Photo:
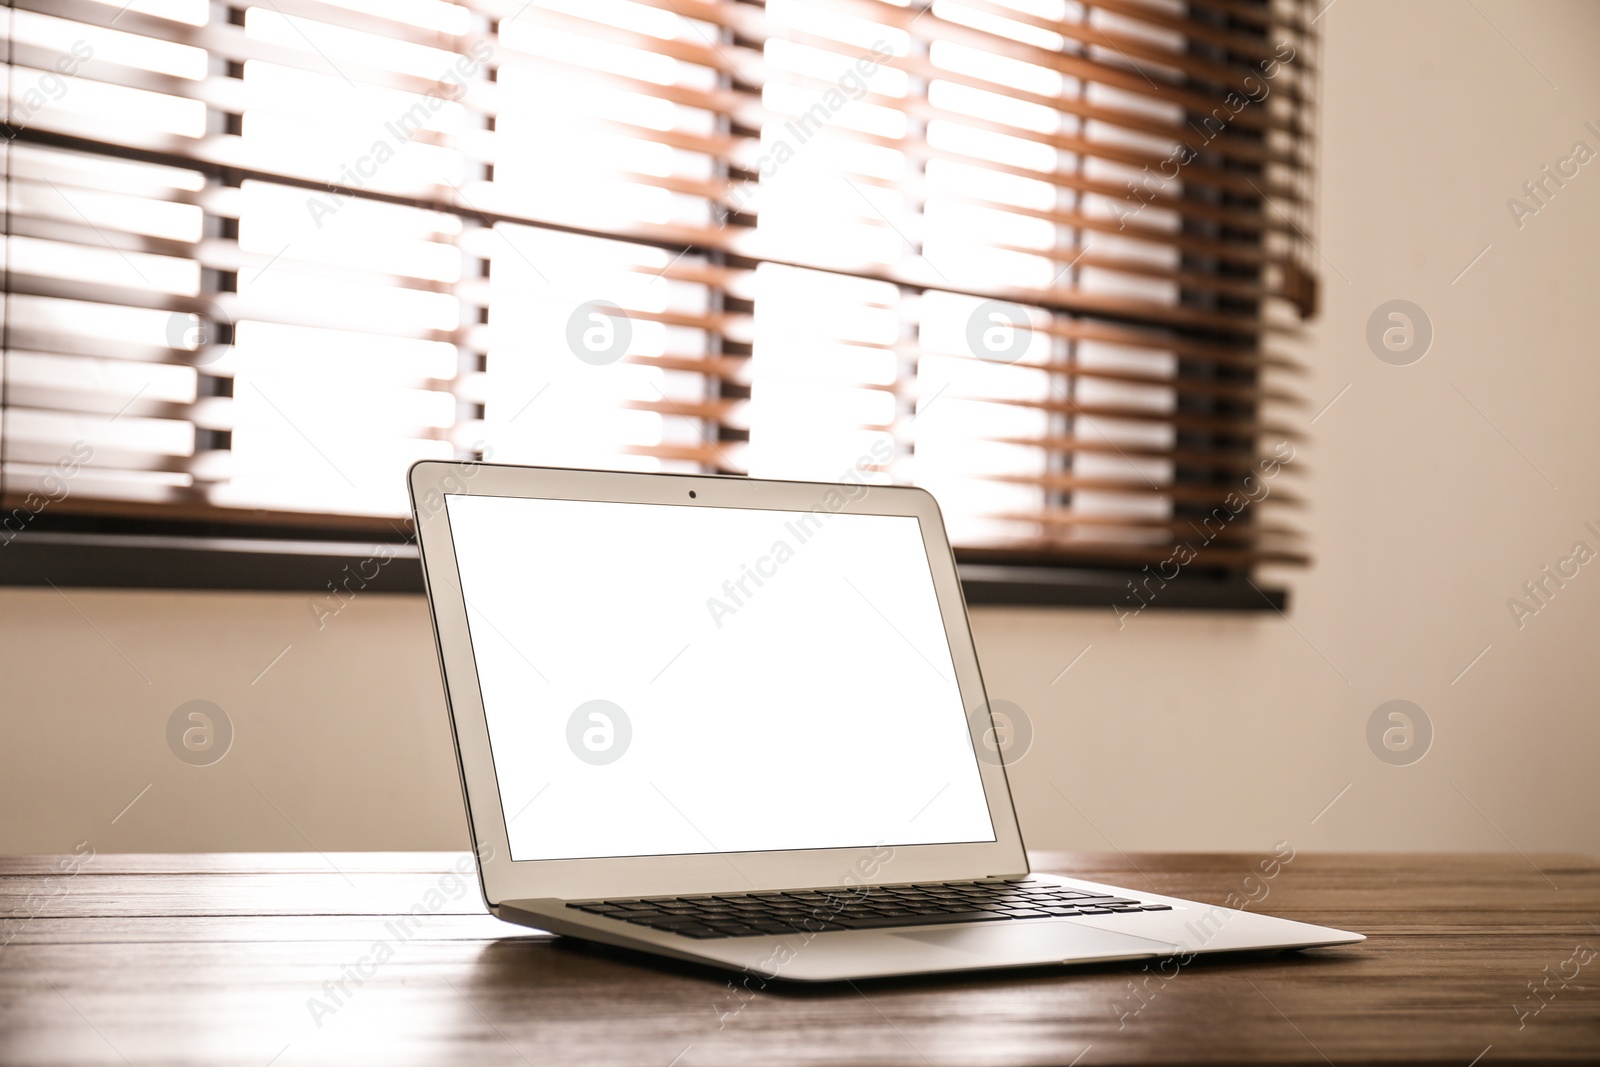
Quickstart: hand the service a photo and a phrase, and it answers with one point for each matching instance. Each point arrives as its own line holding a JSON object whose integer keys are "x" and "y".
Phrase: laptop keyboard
{"x": 821, "y": 911}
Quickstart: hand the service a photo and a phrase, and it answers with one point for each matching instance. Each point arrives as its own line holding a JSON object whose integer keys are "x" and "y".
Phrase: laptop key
{"x": 872, "y": 922}
{"x": 697, "y": 932}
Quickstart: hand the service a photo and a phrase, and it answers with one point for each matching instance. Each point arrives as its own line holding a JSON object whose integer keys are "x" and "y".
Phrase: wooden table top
{"x": 173, "y": 959}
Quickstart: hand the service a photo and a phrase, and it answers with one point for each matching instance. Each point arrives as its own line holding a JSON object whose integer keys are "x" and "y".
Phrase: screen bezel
{"x": 507, "y": 879}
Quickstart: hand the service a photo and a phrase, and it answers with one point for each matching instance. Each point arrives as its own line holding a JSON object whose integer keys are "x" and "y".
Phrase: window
{"x": 1039, "y": 256}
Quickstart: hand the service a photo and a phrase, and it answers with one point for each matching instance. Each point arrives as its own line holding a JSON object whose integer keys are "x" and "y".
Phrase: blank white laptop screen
{"x": 664, "y": 679}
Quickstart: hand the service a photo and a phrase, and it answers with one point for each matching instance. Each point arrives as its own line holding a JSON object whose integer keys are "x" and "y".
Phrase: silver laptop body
{"x": 741, "y": 722}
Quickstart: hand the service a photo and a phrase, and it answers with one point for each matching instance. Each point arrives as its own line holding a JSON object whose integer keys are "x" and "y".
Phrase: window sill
{"x": 1079, "y": 587}
{"x": 139, "y": 561}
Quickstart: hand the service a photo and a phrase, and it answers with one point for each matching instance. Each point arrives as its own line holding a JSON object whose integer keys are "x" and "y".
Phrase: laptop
{"x": 741, "y": 722}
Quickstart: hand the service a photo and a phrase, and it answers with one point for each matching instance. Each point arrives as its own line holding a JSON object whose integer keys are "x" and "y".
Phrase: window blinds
{"x": 1042, "y": 257}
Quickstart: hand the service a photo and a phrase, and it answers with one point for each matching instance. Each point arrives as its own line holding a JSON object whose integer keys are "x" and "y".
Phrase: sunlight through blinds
{"x": 1046, "y": 258}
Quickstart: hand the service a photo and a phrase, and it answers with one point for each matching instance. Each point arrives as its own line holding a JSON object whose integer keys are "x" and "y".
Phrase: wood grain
{"x": 213, "y": 959}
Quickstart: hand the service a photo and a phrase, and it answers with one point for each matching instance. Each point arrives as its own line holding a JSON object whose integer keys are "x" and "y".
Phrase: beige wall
{"x": 1430, "y": 508}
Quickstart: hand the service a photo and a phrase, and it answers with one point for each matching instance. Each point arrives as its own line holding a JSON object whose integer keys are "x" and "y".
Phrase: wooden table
{"x": 238, "y": 959}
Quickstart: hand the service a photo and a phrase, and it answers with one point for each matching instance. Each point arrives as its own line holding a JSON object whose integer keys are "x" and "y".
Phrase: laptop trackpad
{"x": 1041, "y": 942}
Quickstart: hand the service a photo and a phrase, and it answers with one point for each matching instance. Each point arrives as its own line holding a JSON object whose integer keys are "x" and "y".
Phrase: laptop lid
{"x": 664, "y": 683}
